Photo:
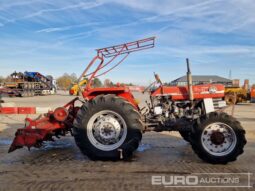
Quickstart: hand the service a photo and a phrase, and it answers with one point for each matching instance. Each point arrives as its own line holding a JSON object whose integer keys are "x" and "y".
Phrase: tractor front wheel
{"x": 108, "y": 128}
{"x": 218, "y": 138}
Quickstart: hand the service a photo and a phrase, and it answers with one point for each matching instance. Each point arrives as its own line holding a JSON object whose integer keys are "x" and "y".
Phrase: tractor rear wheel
{"x": 185, "y": 135}
{"x": 108, "y": 128}
{"x": 218, "y": 138}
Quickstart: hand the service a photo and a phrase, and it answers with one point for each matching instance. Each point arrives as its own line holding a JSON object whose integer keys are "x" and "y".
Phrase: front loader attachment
{"x": 54, "y": 123}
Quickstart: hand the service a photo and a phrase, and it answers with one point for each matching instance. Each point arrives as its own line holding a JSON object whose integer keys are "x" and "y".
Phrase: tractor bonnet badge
{"x": 212, "y": 89}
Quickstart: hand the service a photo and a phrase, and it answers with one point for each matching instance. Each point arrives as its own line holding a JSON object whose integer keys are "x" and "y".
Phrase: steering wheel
{"x": 158, "y": 80}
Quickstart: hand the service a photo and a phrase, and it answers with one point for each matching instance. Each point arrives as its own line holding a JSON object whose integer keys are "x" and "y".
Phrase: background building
{"x": 201, "y": 79}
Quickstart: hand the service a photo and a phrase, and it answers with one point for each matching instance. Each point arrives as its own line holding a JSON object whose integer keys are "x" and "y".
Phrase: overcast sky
{"x": 54, "y": 37}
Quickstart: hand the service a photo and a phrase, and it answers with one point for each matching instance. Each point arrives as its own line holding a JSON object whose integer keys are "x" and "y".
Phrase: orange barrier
{"x": 26, "y": 110}
{"x": 8, "y": 110}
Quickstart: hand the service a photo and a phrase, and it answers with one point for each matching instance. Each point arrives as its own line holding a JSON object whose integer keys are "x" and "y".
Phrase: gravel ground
{"x": 60, "y": 165}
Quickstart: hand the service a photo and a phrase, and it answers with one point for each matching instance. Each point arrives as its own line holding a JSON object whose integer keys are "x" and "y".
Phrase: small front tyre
{"x": 218, "y": 138}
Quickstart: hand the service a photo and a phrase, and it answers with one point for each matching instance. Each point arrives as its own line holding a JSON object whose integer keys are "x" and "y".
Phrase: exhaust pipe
{"x": 189, "y": 81}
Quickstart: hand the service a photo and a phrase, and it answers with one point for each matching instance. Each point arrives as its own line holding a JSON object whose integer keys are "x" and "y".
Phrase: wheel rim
{"x": 218, "y": 139}
{"x": 106, "y": 130}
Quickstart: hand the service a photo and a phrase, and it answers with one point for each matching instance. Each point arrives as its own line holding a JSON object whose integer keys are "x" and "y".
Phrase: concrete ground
{"x": 61, "y": 166}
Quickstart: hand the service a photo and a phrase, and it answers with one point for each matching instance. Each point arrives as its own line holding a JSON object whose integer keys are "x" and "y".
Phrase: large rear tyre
{"x": 108, "y": 128}
{"x": 218, "y": 138}
{"x": 185, "y": 135}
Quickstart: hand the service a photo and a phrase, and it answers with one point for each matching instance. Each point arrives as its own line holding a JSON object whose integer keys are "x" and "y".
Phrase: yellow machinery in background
{"x": 236, "y": 94}
{"x": 253, "y": 93}
{"x": 75, "y": 89}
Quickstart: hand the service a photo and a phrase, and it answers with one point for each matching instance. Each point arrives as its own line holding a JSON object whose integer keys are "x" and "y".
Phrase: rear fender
{"x": 123, "y": 92}
{"x": 129, "y": 97}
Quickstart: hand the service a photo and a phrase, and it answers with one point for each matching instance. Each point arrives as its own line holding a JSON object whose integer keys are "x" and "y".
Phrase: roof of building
{"x": 203, "y": 78}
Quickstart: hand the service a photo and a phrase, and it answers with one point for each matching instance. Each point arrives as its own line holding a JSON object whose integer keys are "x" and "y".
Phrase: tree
{"x": 74, "y": 77}
{"x": 84, "y": 78}
{"x": 108, "y": 83}
{"x": 97, "y": 82}
{"x": 2, "y": 79}
{"x": 50, "y": 77}
{"x": 126, "y": 84}
{"x": 65, "y": 81}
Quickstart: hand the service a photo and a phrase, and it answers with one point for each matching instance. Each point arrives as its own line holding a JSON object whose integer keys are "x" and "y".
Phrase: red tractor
{"x": 109, "y": 124}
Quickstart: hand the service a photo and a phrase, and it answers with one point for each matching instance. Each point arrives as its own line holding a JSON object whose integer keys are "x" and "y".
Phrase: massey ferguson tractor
{"x": 109, "y": 125}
